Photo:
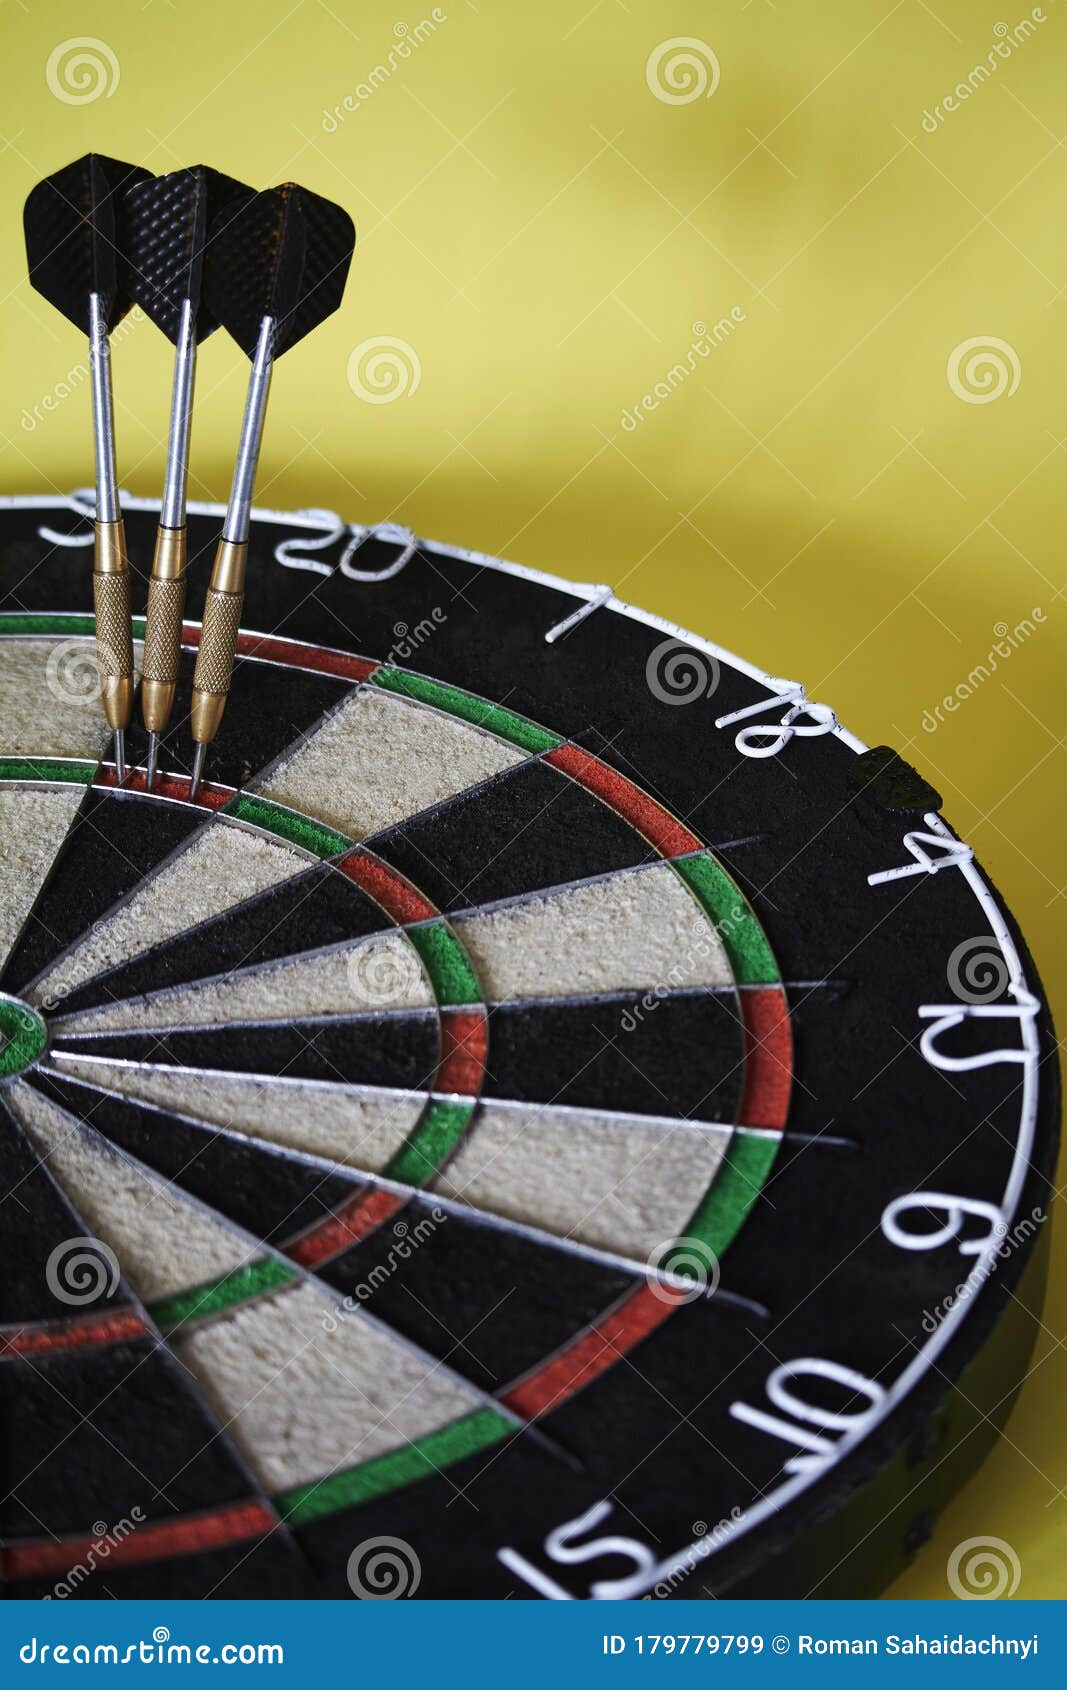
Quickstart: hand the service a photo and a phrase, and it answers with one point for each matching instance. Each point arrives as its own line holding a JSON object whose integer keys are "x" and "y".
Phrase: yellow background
{"x": 543, "y": 232}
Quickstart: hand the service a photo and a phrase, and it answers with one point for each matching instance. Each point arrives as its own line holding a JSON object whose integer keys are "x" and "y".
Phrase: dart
{"x": 168, "y": 218}
{"x": 276, "y": 267}
{"x": 74, "y": 225}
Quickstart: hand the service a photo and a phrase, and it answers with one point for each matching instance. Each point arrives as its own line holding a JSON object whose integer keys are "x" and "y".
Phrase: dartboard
{"x": 555, "y": 1117}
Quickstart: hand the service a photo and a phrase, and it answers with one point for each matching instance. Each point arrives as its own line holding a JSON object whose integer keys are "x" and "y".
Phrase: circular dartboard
{"x": 555, "y": 1117}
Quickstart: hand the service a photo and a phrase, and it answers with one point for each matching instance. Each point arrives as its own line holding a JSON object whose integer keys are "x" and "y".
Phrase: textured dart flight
{"x": 168, "y": 219}
{"x": 276, "y": 267}
{"x": 76, "y": 244}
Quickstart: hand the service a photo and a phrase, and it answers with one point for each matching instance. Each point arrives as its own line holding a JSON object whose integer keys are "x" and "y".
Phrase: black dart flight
{"x": 275, "y": 268}
{"x": 169, "y": 218}
{"x": 75, "y": 243}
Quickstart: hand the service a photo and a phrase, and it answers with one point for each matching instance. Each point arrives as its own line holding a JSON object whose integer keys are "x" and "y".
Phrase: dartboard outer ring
{"x": 818, "y": 1470}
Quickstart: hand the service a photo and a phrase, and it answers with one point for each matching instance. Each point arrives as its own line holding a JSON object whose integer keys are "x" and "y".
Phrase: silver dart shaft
{"x": 107, "y": 497}
{"x": 111, "y": 570}
{"x": 239, "y": 510}
{"x": 166, "y": 586}
{"x": 172, "y": 510}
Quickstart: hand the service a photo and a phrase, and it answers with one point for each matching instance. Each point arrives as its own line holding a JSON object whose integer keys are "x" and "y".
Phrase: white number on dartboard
{"x": 767, "y": 739}
{"x": 945, "y": 1017}
{"x": 562, "y": 1548}
{"x": 955, "y": 1211}
{"x": 929, "y": 852}
{"x": 807, "y": 1426}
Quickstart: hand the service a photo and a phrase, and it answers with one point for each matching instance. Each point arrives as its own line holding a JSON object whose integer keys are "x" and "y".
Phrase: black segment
{"x": 621, "y": 1053}
{"x": 113, "y": 843}
{"x": 272, "y": 717}
{"x": 529, "y": 828}
{"x": 384, "y": 1050}
{"x": 35, "y": 1221}
{"x": 270, "y": 1194}
{"x": 313, "y": 909}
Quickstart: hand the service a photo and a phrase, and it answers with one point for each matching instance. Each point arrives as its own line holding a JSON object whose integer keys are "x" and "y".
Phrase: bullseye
{"x": 22, "y": 1036}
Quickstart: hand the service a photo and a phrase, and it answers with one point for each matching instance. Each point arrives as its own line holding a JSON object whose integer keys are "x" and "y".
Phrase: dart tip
{"x": 198, "y": 768}
{"x": 153, "y": 757}
{"x": 120, "y": 755}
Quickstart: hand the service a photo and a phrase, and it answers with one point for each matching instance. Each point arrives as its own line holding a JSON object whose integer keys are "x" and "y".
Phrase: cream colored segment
{"x": 222, "y": 866}
{"x": 163, "y": 1241}
{"x": 358, "y": 1129}
{"x": 50, "y": 699}
{"x": 607, "y": 1181}
{"x": 307, "y": 1390}
{"x": 380, "y": 758}
{"x": 383, "y": 972}
{"x": 33, "y": 825}
{"x": 639, "y": 930}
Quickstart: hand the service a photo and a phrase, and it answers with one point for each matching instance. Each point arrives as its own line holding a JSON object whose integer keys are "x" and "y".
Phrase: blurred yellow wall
{"x": 556, "y": 204}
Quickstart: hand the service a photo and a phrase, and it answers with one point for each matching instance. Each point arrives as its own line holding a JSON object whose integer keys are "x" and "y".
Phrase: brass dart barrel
{"x": 218, "y": 645}
{"x": 163, "y": 637}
